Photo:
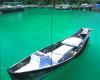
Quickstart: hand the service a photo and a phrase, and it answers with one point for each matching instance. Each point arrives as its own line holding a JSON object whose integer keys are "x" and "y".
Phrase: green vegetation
{"x": 48, "y": 2}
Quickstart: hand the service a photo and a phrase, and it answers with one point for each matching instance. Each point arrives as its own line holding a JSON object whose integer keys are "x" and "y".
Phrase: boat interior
{"x": 55, "y": 53}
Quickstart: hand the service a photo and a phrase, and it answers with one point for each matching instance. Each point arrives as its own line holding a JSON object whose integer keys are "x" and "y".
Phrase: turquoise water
{"x": 22, "y": 33}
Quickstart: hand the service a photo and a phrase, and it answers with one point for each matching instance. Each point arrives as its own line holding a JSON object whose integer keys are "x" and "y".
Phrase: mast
{"x": 51, "y": 33}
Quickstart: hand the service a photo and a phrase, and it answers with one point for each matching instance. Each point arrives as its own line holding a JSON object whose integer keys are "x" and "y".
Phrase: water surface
{"x": 22, "y": 33}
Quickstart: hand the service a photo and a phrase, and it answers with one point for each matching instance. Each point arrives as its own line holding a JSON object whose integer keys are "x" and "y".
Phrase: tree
{"x": 54, "y": 2}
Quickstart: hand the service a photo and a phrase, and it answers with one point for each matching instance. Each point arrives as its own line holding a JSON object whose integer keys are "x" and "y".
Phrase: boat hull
{"x": 41, "y": 73}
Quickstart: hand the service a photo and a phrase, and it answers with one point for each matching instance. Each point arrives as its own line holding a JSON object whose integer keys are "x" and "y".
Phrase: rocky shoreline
{"x": 9, "y": 8}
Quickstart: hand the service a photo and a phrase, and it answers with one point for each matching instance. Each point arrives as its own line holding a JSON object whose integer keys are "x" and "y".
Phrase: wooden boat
{"x": 42, "y": 62}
